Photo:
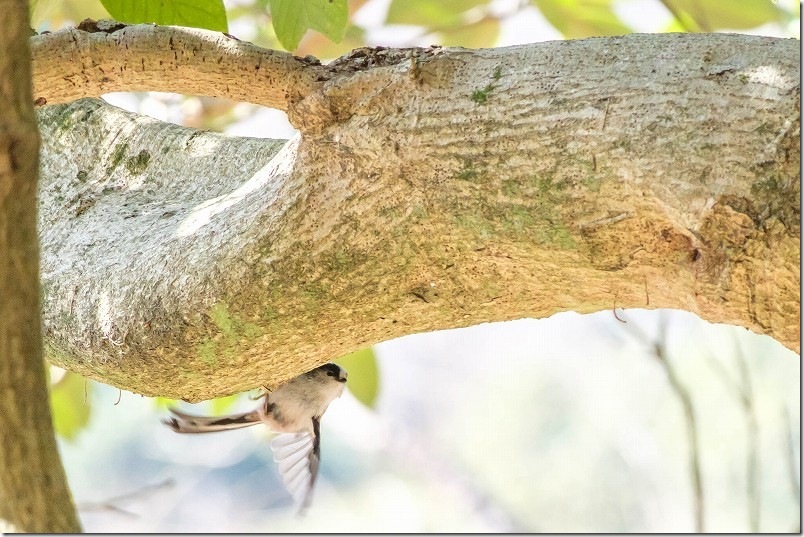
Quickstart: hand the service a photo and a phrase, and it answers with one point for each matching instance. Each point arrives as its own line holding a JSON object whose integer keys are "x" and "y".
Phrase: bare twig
{"x": 418, "y": 451}
{"x": 743, "y": 390}
{"x": 753, "y": 465}
{"x": 793, "y": 472}
{"x": 111, "y": 503}
{"x": 659, "y": 350}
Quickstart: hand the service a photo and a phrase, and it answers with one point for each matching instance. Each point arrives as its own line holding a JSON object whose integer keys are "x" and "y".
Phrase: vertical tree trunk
{"x": 34, "y": 496}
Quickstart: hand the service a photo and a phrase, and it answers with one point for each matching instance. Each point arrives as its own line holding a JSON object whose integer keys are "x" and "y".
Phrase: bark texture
{"x": 34, "y": 496}
{"x": 428, "y": 189}
{"x": 105, "y": 56}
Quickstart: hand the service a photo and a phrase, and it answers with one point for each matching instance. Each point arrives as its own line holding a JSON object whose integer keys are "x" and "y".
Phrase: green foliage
{"x": 364, "y": 376}
{"x": 292, "y": 18}
{"x": 164, "y": 403}
{"x": 222, "y": 405}
{"x": 208, "y": 14}
{"x": 585, "y": 18}
{"x": 69, "y": 405}
{"x": 430, "y": 13}
{"x": 466, "y": 23}
{"x": 483, "y": 33}
{"x": 458, "y": 23}
{"x": 697, "y": 16}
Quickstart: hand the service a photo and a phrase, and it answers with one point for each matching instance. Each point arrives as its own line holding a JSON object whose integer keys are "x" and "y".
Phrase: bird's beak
{"x": 342, "y": 377}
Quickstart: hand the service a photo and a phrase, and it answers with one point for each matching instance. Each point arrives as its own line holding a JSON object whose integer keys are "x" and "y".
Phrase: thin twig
{"x": 753, "y": 464}
{"x": 743, "y": 390}
{"x": 659, "y": 350}
{"x": 793, "y": 472}
{"x": 110, "y": 504}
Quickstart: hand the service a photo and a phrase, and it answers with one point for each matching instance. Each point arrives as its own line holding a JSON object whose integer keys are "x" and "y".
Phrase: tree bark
{"x": 100, "y": 57}
{"x": 428, "y": 189}
{"x": 34, "y": 496}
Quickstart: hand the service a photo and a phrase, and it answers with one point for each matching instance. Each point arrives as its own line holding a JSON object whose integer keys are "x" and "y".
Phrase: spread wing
{"x": 188, "y": 423}
{"x": 298, "y": 455}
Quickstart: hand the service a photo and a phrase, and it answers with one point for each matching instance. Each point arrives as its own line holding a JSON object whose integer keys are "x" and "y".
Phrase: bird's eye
{"x": 330, "y": 374}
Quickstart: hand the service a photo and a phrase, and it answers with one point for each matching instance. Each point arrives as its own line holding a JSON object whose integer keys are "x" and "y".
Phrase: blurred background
{"x": 626, "y": 421}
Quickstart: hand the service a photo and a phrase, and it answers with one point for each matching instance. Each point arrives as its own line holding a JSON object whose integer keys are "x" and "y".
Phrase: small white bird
{"x": 294, "y": 410}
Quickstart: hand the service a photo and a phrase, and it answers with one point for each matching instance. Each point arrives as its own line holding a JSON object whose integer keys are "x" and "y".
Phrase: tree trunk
{"x": 34, "y": 496}
{"x": 428, "y": 189}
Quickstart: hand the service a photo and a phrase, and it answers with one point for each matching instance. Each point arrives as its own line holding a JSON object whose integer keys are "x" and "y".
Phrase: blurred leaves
{"x": 480, "y": 34}
{"x": 708, "y": 16}
{"x": 52, "y": 14}
{"x": 364, "y": 376}
{"x": 165, "y": 402}
{"x": 467, "y": 23}
{"x": 459, "y": 23}
{"x": 324, "y": 49}
{"x": 69, "y": 406}
{"x": 292, "y": 18}
{"x": 429, "y": 13}
{"x": 222, "y": 405}
{"x": 586, "y": 18}
{"x": 208, "y": 14}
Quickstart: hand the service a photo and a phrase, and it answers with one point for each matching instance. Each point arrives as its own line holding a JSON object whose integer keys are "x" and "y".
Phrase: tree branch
{"x": 34, "y": 496}
{"x": 455, "y": 188}
{"x": 107, "y": 56}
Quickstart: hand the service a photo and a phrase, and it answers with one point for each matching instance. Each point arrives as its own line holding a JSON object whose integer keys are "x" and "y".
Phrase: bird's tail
{"x": 187, "y": 423}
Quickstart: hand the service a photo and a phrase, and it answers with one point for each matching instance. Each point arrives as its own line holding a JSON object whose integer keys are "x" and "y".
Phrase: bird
{"x": 294, "y": 411}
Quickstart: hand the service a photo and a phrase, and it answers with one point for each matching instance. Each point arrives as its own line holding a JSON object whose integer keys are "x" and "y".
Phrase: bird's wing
{"x": 187, "y": 423}
{"x": 298, "y": 455}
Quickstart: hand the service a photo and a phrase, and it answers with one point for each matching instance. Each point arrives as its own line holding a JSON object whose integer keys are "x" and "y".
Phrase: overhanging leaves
{"x": 292, "y": 18}
{"x": 208, "y": 14}
{"x": 710, "y": 16}
{"x": 364, "y": 376}
{"x": 443, "y": 14}
{"x": 70, "y": 410}
{"x": 582, "y": 19}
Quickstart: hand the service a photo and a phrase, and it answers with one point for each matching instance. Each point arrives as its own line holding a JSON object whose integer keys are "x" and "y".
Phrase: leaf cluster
{"x": 466, "y": 23}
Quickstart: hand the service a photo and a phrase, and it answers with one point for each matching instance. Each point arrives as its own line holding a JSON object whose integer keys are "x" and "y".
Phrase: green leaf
{"x": 324, "y": 49}
{"x": 582, "y": 18}
{"x": 67, "y": 405}
{"x": 431, "y": 14}
{"x": 165, "y": 402}
{"x": 292, "y": 18}
{"x": 480, "y": 34}
{"x": 222, "y": 404}
{"x": 364, "y": 376}
{"x": 714, "y": 15}
{"x": 208, "y": 14}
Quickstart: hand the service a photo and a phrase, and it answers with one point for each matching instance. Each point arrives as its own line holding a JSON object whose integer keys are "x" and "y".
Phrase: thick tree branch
{"x": 103, "y": 57}
{"x": 34, "y": 496}
{"x": 454, "y": 188}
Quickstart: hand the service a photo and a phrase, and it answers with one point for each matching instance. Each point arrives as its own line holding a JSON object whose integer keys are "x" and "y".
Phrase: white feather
{"x": 294, "y": 453}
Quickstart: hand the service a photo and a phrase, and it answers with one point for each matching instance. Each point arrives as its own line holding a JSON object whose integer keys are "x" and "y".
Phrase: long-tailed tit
{"x": 294, "y": 410}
